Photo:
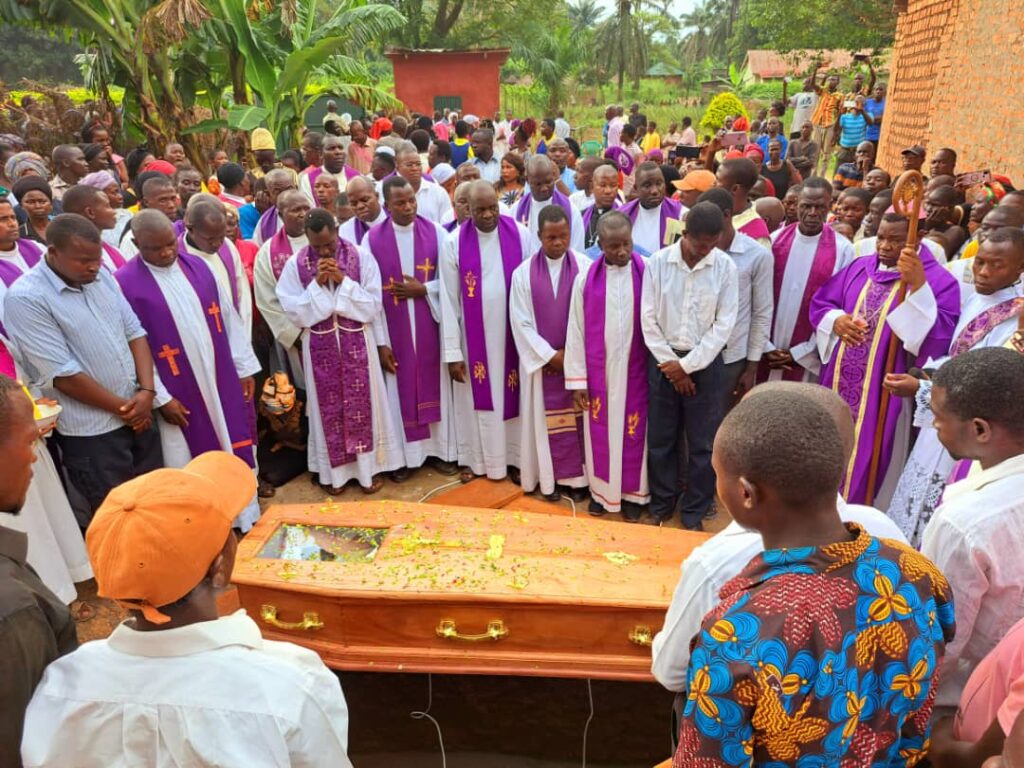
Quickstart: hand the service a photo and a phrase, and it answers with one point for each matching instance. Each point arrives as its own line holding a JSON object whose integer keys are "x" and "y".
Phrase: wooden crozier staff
{"x": 907, "y": 199}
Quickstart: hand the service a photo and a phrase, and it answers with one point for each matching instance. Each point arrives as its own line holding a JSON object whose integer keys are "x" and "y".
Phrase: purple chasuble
{"x": 864, "y": 290}
{"x": 341, "y": 367}
{"x": 670, "y": 209}
{"x": 143, "y": 293}
{"x": 470, "y": 277}
{"x": 978, "y": 328}
{"x": 634, "y": 437}
{"x": 557, "y": 198}
{"x": 564, "y": 422}
{"x": 821, "y": 271}
{"x": 269, "y": 223}
{"x": 417, "y": 350}
{"x": 224, "y": 253}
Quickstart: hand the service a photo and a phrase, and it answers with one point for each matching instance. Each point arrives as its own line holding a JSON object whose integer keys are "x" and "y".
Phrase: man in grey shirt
{"x": 79, "y": 338}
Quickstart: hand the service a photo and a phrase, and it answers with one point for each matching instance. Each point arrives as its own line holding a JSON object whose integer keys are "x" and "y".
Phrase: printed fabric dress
{"x": 817, "y": 657}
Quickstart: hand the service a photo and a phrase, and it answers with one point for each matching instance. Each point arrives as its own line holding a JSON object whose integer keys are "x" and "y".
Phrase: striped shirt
{"x": 827, "y": 109}
{"x": 854, "y": 128}
{"x": 62, "y": 331}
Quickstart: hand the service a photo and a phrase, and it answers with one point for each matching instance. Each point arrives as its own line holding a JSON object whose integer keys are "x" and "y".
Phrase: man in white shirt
{"x": 754, "y": 269}
{"x": 974, "y": 537}
{"x": 176, "y": 685}
{"x": 711, "y": 565}
{"x": 562, "y": 128}
{"x": 482, "y": 143}
{"x": 432, "y": 200}
{"x": 688, "y": 310}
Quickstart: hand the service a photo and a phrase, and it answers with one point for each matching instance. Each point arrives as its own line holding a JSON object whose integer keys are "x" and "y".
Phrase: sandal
{"x": 333, "y": 490}
{"x": 467, "y": 475}
{"x": 375, "y": 486}
{"x": 83, "y": 612}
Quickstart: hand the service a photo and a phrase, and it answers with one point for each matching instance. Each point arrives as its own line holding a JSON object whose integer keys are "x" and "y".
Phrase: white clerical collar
{"x": 161, "y": 270}
{"x": 14, "y": 253}
{"x": 403, "y": 227}
{"x": 978, "y": 480}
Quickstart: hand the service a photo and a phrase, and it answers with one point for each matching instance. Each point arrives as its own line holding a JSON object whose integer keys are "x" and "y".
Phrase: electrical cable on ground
{"x": 425, "y": 714}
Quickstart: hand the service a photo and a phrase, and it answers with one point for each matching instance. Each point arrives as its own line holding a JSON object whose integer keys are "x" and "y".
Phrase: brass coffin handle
{"x": 496, "y": 630}
{"x": 641, "y": 635}
{"x": 310, "y": 619}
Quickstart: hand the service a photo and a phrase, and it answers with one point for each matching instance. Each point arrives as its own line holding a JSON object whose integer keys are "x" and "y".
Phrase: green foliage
{"x": 78, "y": 96}
{"x": 723, "y": 105}
{"x": 621, "y": 42}
{"x": 549, "y": 58}
{"x": 785, "y": 25}
{"x": 470, "y": 23}
{"x": 35, "y": 55}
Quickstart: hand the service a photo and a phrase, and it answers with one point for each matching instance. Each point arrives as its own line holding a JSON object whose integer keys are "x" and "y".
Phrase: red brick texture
{"x": 957, "y": 82}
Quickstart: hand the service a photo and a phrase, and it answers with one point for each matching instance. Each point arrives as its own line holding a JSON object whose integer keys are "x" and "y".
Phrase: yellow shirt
{"x": 651, "y": 141}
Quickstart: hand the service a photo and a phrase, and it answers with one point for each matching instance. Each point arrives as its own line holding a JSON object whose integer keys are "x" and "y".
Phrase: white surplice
{"x": 791, "y": 296}
{"x": 306, "y": 185}
{"x": 361, "y": 302}
{"x": 441, "y": 443}
{"x": 929, "y": 465}
{"x": 213, "y": 261}
{"x": 618, "y": 340}
{"x": 197, "y": 347}
{"x": 576, "y": 230}
{"x": 56, "y": 549}
{"x": 535, "y": 463}
{"x": 487, "y": 444}
{"x": 284, "y": 330}
{"x": 647, "y": 230}
{"x": 347, "y": 231}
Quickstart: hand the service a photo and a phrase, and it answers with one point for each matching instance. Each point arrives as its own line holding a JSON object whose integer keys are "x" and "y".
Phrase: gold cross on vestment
{"x": 391, "y": 289}
{"x": 426, "y": 268}
{"x": 168, "y": 353}
{"x": 214, "y": 312}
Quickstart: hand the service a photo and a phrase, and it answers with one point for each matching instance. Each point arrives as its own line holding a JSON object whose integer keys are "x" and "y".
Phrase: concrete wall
{"x": 957, "y": 82}
{"x": 473, "y": 75}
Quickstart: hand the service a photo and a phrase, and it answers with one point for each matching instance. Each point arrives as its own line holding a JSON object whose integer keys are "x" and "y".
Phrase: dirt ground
{"x": 492, "y": 722}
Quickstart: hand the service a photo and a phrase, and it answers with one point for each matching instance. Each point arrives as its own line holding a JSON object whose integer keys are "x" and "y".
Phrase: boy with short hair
{"x": 826, "y": 647}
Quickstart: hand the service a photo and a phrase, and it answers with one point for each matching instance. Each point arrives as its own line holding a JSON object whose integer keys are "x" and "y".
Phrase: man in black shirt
{"x": 35, "y": 626}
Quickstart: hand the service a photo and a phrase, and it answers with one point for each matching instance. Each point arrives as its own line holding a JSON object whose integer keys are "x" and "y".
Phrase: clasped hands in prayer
{"x": 328, "y": 271}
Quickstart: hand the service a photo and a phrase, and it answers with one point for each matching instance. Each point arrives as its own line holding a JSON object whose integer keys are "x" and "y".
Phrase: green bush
{"x": 723, "y": 105}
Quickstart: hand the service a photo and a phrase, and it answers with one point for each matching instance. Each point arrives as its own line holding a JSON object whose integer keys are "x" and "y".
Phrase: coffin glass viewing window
{"x": 322, "y": 543}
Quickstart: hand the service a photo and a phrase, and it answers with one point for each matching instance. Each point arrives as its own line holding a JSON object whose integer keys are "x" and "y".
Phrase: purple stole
{"x": 360, "y": 228}
{"x": 978, "y": 328}
{"x": 341, "y": 367}
{"x": 856, "y": 373}
{"x": 821, "y": 271}
{"x": 419, "y": 363}
{"x": 452, "y": 225}
{"x": 313, "y": 176}
{"x": 143, "y": 292}
{"x": 557, "y": 198}
{"x": 7, "y": 367}
{"x": 470, "y": 275}
{"x": 589, "y": 214}
{"x": 115, "y": 255}
{"x": 670, "y": 209}
{"x": 634, "y": 437}
{"x": 179, "y": 227}
{"x": 224, "y": 252}
{"x": 9, "y": 271}
{"x": 269, "y": 223}
{"x": 280, "y": 252}
{"x": 564, "y": 422}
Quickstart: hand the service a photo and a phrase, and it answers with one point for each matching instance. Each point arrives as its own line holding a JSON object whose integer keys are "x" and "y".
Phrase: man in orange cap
{"x": 693, "y": 184}
{"x": 175, "y": 684}
{"x": 35, "y": 626}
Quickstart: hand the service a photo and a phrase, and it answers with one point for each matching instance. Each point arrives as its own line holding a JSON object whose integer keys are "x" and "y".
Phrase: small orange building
{"x": 466, "y": 81}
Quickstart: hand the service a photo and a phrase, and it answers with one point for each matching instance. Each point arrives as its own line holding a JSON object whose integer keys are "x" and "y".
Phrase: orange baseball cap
{"x": 153, "y": 538}
{"x": 698, "y": 180}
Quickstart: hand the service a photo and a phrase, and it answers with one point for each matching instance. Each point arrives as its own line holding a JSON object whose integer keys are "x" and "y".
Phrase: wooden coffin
{"x": 427, "y": 588}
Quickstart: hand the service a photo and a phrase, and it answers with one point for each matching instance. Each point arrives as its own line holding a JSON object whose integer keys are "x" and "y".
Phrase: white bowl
{"x": 47, "y": 415}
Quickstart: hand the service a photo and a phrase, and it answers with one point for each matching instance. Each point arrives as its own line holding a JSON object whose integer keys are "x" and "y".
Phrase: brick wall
{"x": 957, "y": 82}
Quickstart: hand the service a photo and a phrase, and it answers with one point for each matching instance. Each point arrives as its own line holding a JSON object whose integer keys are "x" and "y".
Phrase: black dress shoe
{"x": 400, "y": 475}
{"x": 595, "y": 509}
{"x": 579, "y": 495}
{"x": 694, "y": 527}
{"x": 553, "y": 497}
{"x": 632, "y": 513}
{"x": 446, "y": 467}
{"x": 513, "y": 475}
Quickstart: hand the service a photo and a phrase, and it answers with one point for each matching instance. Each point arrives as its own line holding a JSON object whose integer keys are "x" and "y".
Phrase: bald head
{"x": 150, "y": 222}
{"x": 290, "y": 198}
{"x": 154, "y": 238}
{"x": 833, "y": 404}
{"x": 362, "y": 196}
{"x": 204, "y": 211}
{"x": 538, "y": 163}
{"x": 203, "y": 197}
{"x": 772, "y": 211}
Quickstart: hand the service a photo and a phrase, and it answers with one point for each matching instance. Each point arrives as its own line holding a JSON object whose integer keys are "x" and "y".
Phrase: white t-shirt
{"x": 803, "y": 104}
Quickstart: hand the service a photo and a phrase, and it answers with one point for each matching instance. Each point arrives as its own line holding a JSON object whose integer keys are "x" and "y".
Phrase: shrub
{"x": 723, "y": 105}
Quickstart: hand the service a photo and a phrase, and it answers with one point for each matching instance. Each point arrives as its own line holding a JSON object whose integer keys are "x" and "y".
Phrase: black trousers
{"x": 698, "y": 416}
{"x": 97, "y": 464}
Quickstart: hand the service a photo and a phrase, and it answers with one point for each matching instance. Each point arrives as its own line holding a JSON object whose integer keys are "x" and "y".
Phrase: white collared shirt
{"x": 690, "y": 310}
{"x": 974, "y": 538}
{"x": 755, "y": 272}
{"x": 709, "y": 567}
{"x": 213, "y": 693}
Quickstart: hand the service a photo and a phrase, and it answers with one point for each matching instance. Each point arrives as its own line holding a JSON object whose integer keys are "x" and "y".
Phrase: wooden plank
{"x": 531, "y": 504}
{"x": 480, "y": 493}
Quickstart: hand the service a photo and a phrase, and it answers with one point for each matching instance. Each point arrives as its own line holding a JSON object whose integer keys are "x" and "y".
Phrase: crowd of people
{"x": 652, "y": 325}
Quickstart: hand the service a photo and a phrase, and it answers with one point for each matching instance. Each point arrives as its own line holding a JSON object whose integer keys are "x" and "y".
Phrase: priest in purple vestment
{"x": 541, "y": 175}
{"x": 858, "y": 314}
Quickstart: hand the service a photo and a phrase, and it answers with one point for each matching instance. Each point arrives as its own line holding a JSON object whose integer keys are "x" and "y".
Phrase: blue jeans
{"x": 698, "y": 417}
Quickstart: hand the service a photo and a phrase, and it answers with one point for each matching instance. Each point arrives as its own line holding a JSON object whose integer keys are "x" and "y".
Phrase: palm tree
{"x": 711, "y": 25}
{"x": 551, "y": 57}
{"x": 584, "y": 15}
{"x": 622, "y": 44}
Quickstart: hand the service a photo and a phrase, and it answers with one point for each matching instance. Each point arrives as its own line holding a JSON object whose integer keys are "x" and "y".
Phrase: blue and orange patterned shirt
{"x": 819, "y": 656}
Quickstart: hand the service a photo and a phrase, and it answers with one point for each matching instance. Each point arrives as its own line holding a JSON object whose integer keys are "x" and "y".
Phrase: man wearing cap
{"x": 331, "y": 289}
{"x": 205, "y": 356}
{"x": 362, "y": 196}
{"x": 913, "y": 158}
{"x": 334, "y": 165}
{"x": 693, "y": 185}
{"x": 35, "y": 625}
{"x": 175, "y": 684}
{"x": 542, "y": 177}
{"x": 264, "y": 152}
